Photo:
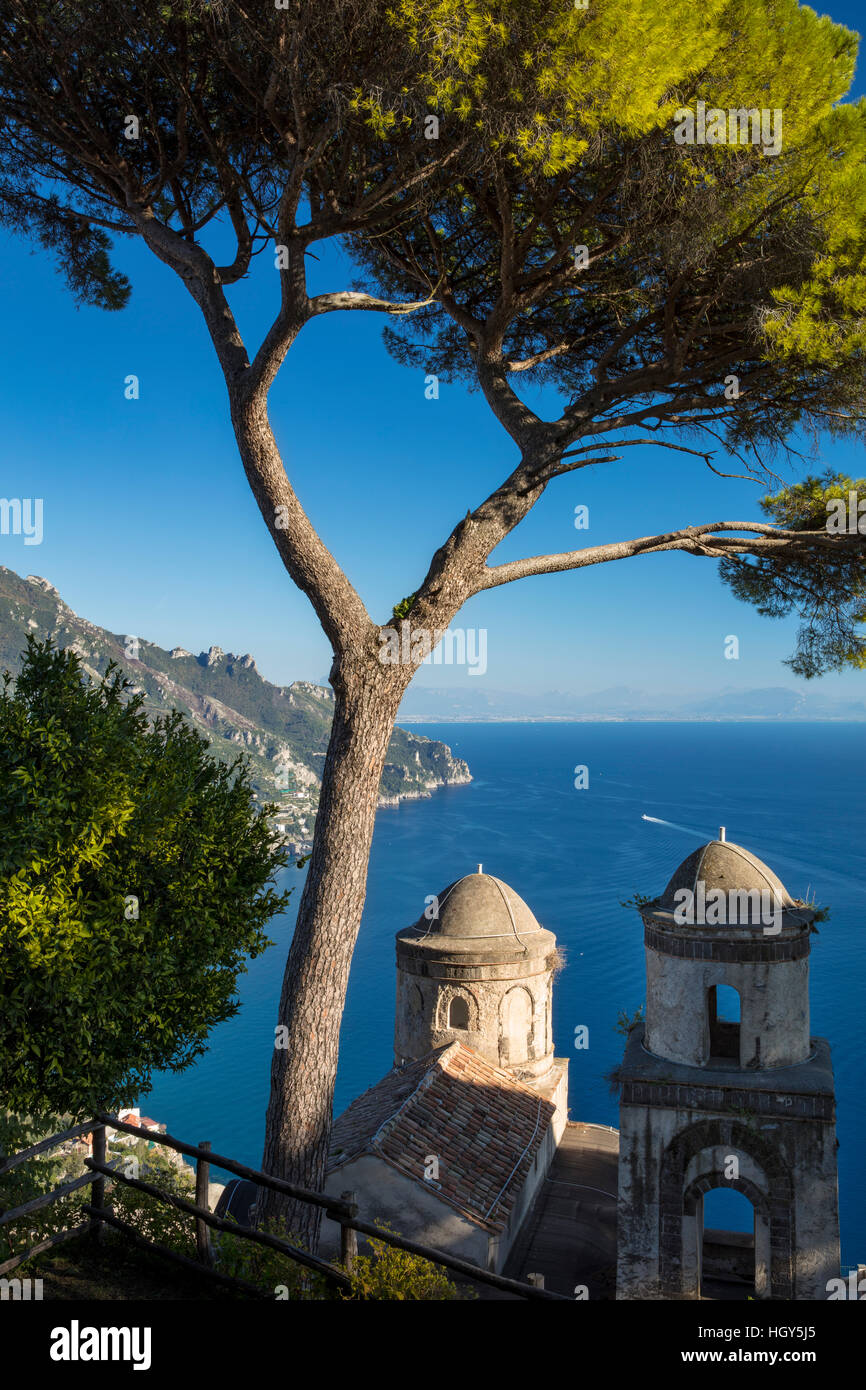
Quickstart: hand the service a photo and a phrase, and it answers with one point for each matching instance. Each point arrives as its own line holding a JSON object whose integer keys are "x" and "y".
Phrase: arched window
{"x": 458, "y": 1012}
{"x": 516, "y": 1042}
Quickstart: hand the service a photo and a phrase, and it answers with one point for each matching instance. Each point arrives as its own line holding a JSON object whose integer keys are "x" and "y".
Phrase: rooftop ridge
{"x": 435, "y": 1057}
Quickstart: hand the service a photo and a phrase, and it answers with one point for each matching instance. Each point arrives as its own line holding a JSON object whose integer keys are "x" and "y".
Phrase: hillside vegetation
{"x": 283, "y": 729}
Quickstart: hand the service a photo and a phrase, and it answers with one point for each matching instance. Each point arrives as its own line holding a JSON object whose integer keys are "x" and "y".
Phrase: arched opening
{"x": 728, "y": 1229}
{"x": 723, "y": 1016}
{"x": 458, "y": 1012}
{"x": 696, "y": 1162}
{"x": 516, "y": 1043}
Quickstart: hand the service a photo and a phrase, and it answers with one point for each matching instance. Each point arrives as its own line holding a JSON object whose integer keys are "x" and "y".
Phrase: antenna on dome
{"x": 479, "y": 868}
{"x": 722, "y": 834}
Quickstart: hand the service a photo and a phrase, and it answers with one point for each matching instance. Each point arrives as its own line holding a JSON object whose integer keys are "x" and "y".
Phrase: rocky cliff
{"x": 282, "y": 729}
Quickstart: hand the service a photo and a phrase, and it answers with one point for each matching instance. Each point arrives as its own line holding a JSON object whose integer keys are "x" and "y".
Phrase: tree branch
{"x": 695, "y": 540}
{"x": 629, "y": 444}
{"x": 352, "y": 299}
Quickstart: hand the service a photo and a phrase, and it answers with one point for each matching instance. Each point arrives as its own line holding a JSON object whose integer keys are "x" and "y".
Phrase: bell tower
{"x": 477, "y": 968}
{"x": 722, "y": 1086}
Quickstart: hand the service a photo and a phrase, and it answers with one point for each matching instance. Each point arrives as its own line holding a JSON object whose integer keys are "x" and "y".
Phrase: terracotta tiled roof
{"x": 482, "y": 1125}
{"x": 352, "y": 1132}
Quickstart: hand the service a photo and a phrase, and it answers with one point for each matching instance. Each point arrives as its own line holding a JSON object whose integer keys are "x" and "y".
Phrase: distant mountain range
{"x": 425, "y": 704}
{"x": 283, "y": 729}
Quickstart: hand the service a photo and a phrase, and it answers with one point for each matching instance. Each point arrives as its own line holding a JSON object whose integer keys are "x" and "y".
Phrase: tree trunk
{"x": 304, "y": 1063}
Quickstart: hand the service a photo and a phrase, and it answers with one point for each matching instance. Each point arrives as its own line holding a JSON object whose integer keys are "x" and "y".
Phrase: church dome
{"x": 721, "y": 864}
{"x": 477, "y": 906}
{"x": 748, "y": 884}
{"x": 477, "y": 968}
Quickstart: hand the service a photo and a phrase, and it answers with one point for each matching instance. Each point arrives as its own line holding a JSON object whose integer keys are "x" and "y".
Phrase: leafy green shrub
{"x": 33, "y": 1178}
{"x": 393, "y": 1275}
{"x": 135, "y": 881}
{"x": 271, "y": 1271}
{"x": 151, "y": 1219}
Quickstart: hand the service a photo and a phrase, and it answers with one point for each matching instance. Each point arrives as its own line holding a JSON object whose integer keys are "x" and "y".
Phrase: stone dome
{"x": 721, "y": 866}
{"x": 477, "y": 968}
{"x": 477, "y": 906}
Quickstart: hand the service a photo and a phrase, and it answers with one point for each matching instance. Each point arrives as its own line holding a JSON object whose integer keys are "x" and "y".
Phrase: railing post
{"x": 202, "y": 1230}
{"x": 348, "y": 1236}
{"x": 97, "y": 1189}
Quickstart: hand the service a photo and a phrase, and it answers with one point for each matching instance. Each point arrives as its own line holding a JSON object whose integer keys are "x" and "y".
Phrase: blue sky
{"x": 150, "y": 528}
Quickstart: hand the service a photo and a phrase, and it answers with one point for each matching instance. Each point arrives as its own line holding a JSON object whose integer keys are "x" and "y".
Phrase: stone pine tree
{"x": 656, "y": 215}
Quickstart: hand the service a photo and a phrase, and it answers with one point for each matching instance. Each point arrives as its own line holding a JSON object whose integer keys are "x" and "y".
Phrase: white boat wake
{"x": 689, "y": 830}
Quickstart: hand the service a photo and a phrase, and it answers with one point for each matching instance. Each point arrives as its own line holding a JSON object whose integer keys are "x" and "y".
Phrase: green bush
{"x": 269, "y": 1270}
{"x": 135, "y": 881}
{"x": 151, "y": 1219}
{"x": 393, "y": 1275}
{"x": 32, "y": 1179}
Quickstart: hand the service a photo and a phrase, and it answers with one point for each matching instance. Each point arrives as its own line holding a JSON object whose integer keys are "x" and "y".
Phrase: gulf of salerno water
{"x": 793, "y": 793}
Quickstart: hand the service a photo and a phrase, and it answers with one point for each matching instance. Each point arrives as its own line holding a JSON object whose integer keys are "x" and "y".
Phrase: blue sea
{"x": 791, "y": 792}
